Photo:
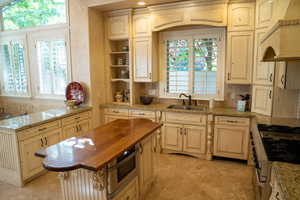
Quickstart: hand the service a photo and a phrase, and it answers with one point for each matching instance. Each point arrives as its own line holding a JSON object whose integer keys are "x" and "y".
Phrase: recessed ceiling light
{"x": 141, "y": 3}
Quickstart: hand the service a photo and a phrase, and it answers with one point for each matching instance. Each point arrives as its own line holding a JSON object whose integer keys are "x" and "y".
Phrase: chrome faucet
{"x": 187, "y": 96}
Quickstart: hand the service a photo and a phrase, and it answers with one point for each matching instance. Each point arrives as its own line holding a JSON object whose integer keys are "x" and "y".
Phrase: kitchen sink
{"x": 187, "y": 107}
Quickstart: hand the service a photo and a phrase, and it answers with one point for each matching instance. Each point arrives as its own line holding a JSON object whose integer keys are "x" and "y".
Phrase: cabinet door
{"x": 52, "y": 137}
{"x": 142, "y": 60}
{"x": 172, "y": 137}
{"x": 231, "y": 141}
{"x": 194, "y": 139}
{"x": 141, "y": 26}
{"x": 146, "y": 168}
{"x": 118, "y": 27}
{"x": 239, "y": 57}
{"x": 110, "y": 118}
{"x": 241, "y": 17}
{"x": 263, "y": 72}
{"x": 83, "y": 126}
{"x": 30, "y": 163}
{"x": 264, "y": 13}
{"x": 281, "y": 83}
{"x": 69, "y": 131}
{"x": 262, "y": 99}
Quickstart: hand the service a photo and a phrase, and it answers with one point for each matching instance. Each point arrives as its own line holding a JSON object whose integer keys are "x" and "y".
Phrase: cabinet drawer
{"x": 141, "y": 113}
{"x": 75, "y": 118}
{"x": 129, "y": 192}
{"x": 39, "y": 130}
{"x": 186, "y": 118}
{"x": 232, "y": 121}
{"x": 116, "y": 111}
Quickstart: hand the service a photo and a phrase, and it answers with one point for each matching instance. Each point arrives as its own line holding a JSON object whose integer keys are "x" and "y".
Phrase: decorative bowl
{"x": 146, "y": 100}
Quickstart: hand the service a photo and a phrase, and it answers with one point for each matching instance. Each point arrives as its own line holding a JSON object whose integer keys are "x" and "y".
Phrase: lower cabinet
{"x": 76, "y": 129}
{"x": 30, "y": 163}
{"x": 130, "y": 192}
{"x": 262, "y": 98}
{"x": 146, "y": 165}
{"x": 188, "y": 139}
{"x": 231, "y": 140}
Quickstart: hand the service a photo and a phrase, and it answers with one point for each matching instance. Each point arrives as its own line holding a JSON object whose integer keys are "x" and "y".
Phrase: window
{"x": 193, "y": 63}
{"x": 14, "y": 74}
{"x": 52, "y": 66}
{"x": 32, "y": 13}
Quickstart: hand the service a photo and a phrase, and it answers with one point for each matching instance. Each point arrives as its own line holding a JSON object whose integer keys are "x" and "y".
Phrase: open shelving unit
{"x": 120, "y": 70}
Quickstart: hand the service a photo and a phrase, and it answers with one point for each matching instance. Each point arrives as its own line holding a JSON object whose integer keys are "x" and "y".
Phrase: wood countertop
{"x": 98, "y": 146}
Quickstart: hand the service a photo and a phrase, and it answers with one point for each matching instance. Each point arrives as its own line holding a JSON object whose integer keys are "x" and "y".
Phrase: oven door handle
{"x": 122, "y": 162}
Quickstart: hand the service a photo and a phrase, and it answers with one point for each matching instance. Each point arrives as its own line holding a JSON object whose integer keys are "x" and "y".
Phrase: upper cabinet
{"x": 118, "y": 27}
{"x": 263, "y": 72}
{"x": 239, "y": 57}
{"x": 141, "y": 26}
{"x": 188, "y": 13}
{"x": 264, "y": 13}
{"x": 166, "y": 19}
{"x": 241, "y": 17}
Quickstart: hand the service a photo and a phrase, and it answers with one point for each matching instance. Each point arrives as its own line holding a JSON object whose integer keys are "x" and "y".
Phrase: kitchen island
{"x": 85, "y": 165}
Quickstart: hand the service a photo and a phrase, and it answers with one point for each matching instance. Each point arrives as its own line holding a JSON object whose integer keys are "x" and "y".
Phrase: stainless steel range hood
{"x": 282, "y": 41}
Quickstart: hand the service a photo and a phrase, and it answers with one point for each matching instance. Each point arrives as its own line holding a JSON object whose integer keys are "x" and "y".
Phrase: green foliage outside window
{"x": 32, "y": 13}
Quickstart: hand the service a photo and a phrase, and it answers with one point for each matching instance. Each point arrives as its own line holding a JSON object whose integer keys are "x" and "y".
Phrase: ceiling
{"x": 133, "y": 4}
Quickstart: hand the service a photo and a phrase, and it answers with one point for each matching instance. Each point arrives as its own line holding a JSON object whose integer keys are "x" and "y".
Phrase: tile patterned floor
{"x": 178, "y": 178}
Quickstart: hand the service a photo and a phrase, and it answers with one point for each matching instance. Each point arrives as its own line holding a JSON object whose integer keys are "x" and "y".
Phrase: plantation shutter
{"x": 52, "y": 64}
{"x": 14, "y": 70}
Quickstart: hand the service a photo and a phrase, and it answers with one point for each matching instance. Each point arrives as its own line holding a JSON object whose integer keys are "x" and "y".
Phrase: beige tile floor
{"x": 179, "y": 178}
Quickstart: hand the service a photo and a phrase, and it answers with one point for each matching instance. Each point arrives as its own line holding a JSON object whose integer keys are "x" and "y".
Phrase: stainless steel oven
{"x": 121, "y": 171}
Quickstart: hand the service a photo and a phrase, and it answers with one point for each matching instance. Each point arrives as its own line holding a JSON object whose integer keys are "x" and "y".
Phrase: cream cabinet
{"x": 239, "y": 57}
{"x": 262, "y": 98}
{"x": 288, "y": 75}
{"x": 166, "y": 19}
{"x": 146, "y": 165}
{"x": 130, "y": 192}
{"x": 265, "y": 13}
{"x": 231, "y": 139}
{"x": 241, "y": 17}
{"x": 31, "y": 165}
{"x": 118, "y": 27}
{"x": 172, "y": 137}
{"x": 141, "y": 26}
{"x": 189, "y": 139}
{"x": 263, "y": 72}
{"x": 111, "y": 114}
{"x": 142, "y": 52}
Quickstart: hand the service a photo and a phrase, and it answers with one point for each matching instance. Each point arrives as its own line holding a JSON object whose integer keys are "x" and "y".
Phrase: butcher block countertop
{"x": 98, "y": 146}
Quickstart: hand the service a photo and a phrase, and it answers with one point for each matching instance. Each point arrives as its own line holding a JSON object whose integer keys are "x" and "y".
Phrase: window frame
{"x": 42, "y": 27}
{"x": 5, "y": 39}
{"x": 53, "y": 34}
{"x": 191, "y": 34}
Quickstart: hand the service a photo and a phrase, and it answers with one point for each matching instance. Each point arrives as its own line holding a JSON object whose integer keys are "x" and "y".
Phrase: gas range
{"x": 281, "y": 143}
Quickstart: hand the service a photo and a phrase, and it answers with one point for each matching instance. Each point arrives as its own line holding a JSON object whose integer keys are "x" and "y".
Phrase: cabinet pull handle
{"x": 46, "y": 141}
{"x": 76, "y": 118}
{"x": 270, "y": 94}
{"x": 228, "y": 76}
{"x": 282, "y": 80}
{"x": 42, "y": 142}
{"x": 141, "y": 114}
{"x": 141, "y": 149}
{"x": 42, "y": 129}
{"x": 271, "y": 77}
{"x": 277, "y": 196}
{"x": 115, "y": 111}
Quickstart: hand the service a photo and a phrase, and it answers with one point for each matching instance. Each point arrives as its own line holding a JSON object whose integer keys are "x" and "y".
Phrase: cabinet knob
{"x": 42, "y": 142}
{"x": 271, "y": 77}
{"x": 270, "y": 94}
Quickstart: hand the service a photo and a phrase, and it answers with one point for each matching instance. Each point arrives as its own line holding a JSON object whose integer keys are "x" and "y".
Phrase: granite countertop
{"x": 26, "y": 121}
{"x": 262, "y": 119}
{"x": 164, "y": 107}
{"x": 288, "y": 178}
